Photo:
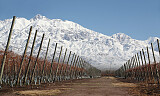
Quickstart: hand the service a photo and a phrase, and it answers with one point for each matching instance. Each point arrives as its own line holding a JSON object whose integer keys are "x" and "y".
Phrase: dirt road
{"x": 97, "y": 87}
{"x": 86, "y": 87}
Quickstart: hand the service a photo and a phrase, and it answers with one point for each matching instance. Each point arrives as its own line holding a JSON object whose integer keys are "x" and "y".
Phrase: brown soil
{"x": 144, "y": 89}
{"x": 105, "y": 86}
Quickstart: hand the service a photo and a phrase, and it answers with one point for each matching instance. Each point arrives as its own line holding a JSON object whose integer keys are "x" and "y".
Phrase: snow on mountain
{"x": 100, "y": 50}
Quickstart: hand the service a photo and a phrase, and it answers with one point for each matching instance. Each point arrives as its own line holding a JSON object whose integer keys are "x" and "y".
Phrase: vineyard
{"x": 140, "y": 68}
{"x": 29, "y": 69}
{"x": 19, "y": 70}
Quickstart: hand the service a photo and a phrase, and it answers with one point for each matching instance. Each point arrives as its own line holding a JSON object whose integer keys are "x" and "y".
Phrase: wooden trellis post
{"x": 81, "y": 64}
{"x": 25, "y": 50}
{"x": 51, "y": 70}
{"x": 140, "y": 67}
{"x": 135, "y": 67}
{"x": 157, "y": 73}
{"x": 66, "y": 69}
{"x": 61, "y": 71}
{"x": 29, "y": 62}
{"x": 150, "y": 67}
{"x": 78, "y": 67}
{"x": 136, "y": 70}
{"x": 44, "y": 64}
{"x": 74, "y": 70}
{"x": 7, "y": 46}
{"x": 83, "y": 70}
{"x": 125, "y": 68}
{"x": 127, "y": 73}
{"x": 159, "y": 53}
{"x": 144, "y": 74}
{"x": 146, "y": 67}
{"x": 57, "y": 69}
{"x": 15, "y": 68}
{"x": 82, "y": 67}
{"x": 129, "y": 66}
{"x": 158, "y": 46}
{"x": 34, "y": 68}
{"x": 70, "y": 68}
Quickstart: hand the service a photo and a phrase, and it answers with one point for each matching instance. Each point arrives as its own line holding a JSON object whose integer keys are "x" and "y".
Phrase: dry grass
{"x": 121, "y": 84}
{"x": 65, "y": 88}
{"x": 107, "y": 77}
{"x": 38, "y": 92}
{"x": 42, "y": 92}
{"x": 145, "y": 90}
{"x": 82, "y": 83}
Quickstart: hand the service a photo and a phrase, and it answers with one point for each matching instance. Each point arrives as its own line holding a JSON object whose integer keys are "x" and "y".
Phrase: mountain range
{"x": 101, "y": 51}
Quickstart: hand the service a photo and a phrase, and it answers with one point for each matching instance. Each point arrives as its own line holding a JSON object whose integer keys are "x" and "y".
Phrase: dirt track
{"x": 87, "y": 87}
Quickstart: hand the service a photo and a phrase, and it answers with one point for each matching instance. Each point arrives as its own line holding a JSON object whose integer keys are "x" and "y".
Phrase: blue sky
{"x": 139, "y": 19}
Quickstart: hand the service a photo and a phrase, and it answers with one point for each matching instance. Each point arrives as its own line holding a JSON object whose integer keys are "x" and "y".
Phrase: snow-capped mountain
{"x": 99, "y": 50}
